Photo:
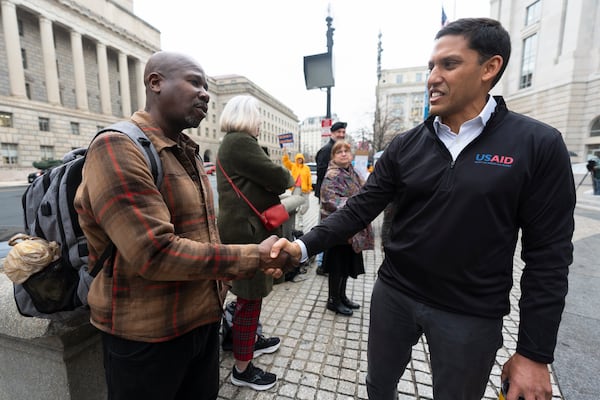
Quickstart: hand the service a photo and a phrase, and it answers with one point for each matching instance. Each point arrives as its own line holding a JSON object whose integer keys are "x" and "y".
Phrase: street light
{"x": 318, "y": 68}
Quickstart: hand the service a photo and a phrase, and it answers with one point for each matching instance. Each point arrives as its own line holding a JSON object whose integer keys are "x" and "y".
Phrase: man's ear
{"x": 154, "y": 81}
{"x": 491, "y": 68}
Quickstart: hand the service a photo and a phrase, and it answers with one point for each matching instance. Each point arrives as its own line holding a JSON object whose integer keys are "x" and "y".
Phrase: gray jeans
{"x": 462, "y": 348}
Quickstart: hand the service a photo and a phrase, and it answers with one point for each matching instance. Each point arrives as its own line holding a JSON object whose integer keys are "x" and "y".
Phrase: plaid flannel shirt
{"x": 163, "y": 281}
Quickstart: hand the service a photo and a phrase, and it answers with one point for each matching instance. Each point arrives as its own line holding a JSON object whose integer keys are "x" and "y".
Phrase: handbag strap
{"x": 238, "y": 191}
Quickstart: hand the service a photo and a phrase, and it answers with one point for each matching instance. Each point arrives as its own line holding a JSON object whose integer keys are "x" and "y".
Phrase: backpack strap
{"x": 143, "y": 143}
{"x": 152, "y": 158}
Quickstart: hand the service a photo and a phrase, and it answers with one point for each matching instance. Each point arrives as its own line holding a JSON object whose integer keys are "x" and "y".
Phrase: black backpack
{"x": 50, "y": 214}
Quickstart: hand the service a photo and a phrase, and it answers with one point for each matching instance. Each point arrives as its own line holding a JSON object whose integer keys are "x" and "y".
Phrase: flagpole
{"x": 454, "y": 12}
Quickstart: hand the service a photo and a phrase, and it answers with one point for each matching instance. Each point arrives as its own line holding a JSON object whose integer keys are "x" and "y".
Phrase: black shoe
{"x": 254, "y": 378}
{"x": 350, "y": 304}
{"x": 339, "y": 308}
{"x": 320, "y": 271}
{"x": 265, "y": 345}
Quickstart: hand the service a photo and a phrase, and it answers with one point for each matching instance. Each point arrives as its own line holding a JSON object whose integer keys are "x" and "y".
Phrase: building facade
{"x": 276, "y": 117}
{"x": 70, "y": 67}
{"x": 67, "y": 68}
{"x": 400, "y": 99}
{"x": 313, "y": 136}
{"x": 554, "y": 71}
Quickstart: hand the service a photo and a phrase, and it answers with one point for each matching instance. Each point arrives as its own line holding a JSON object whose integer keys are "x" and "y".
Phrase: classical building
{"x": 276, "y": 117}
{"x": 70, "y": 67}
{"x": 66, "y": 69}
{"x": 400, "y": 95}
{"x": 554, "y": 71}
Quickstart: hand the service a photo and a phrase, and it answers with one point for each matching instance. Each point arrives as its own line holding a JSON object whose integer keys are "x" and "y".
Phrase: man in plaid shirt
{"x": 158, "y": 302}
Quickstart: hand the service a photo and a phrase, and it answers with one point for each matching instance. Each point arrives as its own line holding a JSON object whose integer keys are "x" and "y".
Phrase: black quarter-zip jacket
{"x": 456, "y": 224}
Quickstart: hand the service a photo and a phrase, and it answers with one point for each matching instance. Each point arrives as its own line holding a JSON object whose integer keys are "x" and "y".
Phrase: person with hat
{"x": 338, "y": 132}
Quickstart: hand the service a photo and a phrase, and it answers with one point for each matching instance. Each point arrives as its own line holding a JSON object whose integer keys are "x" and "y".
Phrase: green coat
{"x": 261, "y": 181}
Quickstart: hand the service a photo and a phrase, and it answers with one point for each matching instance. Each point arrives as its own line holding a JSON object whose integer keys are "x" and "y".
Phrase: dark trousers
{"x": 462, "y": 348}
{"x": 180, "y": 369}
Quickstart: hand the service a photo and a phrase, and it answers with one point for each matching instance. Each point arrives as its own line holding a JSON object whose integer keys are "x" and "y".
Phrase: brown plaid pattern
{"x": 163, "y": 280}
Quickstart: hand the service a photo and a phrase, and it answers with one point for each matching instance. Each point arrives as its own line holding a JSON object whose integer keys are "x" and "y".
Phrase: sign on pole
{"x": 326, "y": 127}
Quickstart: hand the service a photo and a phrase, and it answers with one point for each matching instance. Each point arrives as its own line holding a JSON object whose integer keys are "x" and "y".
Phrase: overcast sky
{"x": 266, "y": 41}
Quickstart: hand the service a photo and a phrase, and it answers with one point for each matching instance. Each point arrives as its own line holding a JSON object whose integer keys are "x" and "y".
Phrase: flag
{"x": 444, "y": 18}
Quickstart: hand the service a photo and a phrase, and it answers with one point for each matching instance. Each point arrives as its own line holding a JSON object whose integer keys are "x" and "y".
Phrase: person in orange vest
{"x": 301, "y": 174}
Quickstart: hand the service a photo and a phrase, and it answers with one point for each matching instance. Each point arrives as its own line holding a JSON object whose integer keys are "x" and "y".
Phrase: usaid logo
{"x": 494, "y": 159}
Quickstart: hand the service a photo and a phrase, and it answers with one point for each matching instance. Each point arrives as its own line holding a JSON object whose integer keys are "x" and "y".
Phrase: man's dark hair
{"x": 484, "y": 35}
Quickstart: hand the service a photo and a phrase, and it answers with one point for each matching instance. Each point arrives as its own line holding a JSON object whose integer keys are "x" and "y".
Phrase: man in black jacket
{"x": 464, "y": 183}
{"x": 338, "y": 132}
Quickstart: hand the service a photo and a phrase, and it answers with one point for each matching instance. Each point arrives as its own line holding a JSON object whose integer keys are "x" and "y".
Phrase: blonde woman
{"x": 261, "y": 181}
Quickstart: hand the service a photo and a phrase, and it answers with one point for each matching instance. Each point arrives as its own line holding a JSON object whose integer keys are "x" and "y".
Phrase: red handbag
{"x": 273, "y": 217}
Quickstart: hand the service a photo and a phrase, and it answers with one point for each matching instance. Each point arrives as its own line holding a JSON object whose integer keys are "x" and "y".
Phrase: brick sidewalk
{"x": 324, "y": 356}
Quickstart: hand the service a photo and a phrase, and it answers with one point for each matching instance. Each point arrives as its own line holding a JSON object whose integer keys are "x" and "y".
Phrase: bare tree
{"x": 386, "y": 125}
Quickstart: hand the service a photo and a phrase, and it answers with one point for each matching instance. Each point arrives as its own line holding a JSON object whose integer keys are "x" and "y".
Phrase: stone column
{"x": 124, "y": 78}
{"x": 13, "y": 49}
{"x": 49, "y": 53}
{"x": 79, "y": 71}
{"x": 103, "y": 78}
{"x": 139, "y": 85}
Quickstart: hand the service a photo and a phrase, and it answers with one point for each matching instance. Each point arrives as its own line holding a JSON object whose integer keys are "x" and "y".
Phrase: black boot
{"x": 338, "y": 307}
{"x": 334, "y": 303}
{"x": 345, "y": 300}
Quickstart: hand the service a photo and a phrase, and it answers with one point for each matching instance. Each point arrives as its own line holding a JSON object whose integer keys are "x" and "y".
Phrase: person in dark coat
{"x": 242, "y": 159}
{"x": 467, "y": 184}
{"x": 338, "y": 132}
{"x": 594, "y": 169}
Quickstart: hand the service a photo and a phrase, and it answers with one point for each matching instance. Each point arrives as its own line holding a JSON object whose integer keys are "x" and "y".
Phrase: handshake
{"x": 278, "y": 256}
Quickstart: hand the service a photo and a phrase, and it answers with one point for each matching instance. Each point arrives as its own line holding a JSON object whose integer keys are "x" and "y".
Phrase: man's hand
{"x": 276, "y": 265}
{"x": 293, "y": 249}
{"x": 528, "y": 379}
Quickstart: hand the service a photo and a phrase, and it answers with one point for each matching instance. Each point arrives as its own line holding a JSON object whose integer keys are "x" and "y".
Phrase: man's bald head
{"x": 165, "y": 62}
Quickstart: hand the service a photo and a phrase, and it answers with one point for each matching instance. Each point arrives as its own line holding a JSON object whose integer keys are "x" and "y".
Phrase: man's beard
{"x": 193, "y": 121}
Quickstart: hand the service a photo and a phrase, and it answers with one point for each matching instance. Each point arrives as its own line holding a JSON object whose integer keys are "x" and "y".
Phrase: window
{"x": 214, "y": 133}
{"x": 20, "y": 27}
{"x": 47, "y": 152}
{"x": 10, "y": 154}
{"x": 75, "y": 128}
{"x": 6, "y": 120}
{"x": 528, "y": 61}
{"x": 206, "y": 132}
{"x": 399, "y": 78}
{"x": 398, "y": 99}
{"x": 532, "y": 14}
{"x": 44, "y": 124}
{"x": 419, "y": 77}
{"x": 416, "y": 110}
{"x": 28, "y": 90}
{"x": 595, "y": 131}
{"x": 24, "y": 58}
